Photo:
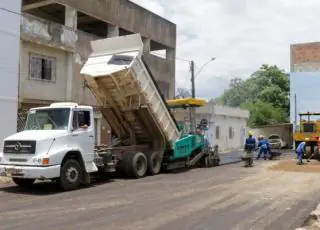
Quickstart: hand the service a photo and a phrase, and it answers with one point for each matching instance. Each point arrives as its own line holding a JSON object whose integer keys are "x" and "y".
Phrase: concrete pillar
{"x": 171, "y": 55}
{"x": 71, "y": 22}
{"x": 113, "y": 31}
{"x": 9, "y": 80}
{"x": 146, "y": 45}
{"x": 71, "y": 18}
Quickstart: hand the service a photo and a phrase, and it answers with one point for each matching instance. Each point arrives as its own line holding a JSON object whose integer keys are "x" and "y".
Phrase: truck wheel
{"x": 216, "y": 162}
{"x": 23, "y": 182}
{"x": 139, "y": 165}
{"x": 154, "y": 163}
{"x": 71, "y": 175}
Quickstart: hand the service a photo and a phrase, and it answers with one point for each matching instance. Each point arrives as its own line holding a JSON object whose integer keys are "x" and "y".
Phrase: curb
{"x": 231, "y": 151}
{"x": 230, "y": 163}
{"x": 313, "y": 220}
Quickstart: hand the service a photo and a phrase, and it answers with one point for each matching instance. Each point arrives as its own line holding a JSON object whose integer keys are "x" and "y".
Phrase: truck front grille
{"x": 19, "y": 147}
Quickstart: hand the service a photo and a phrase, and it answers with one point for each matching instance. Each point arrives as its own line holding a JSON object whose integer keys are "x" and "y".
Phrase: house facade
{"x": 227, "y": 126}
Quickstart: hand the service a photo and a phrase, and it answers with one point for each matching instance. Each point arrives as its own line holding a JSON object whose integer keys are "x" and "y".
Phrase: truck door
{"x": 82, "y": 136}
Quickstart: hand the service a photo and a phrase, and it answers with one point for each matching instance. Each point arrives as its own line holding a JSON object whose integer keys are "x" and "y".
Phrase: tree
{"x": 183, "y": 93}
{"x": 264, "y": 113}
{"x": 265, "y": 94}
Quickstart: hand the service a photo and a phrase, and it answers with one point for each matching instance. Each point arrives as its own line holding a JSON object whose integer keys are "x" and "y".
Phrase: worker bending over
{"x": 299, "y": 151}
{"x": 264, "y": 146}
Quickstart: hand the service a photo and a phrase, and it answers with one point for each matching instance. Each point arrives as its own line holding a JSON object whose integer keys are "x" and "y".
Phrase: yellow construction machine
{"x": 308, "y": 131}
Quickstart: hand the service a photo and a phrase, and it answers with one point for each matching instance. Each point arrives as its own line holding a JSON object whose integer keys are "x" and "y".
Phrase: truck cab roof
{"x": 70, "y": 105}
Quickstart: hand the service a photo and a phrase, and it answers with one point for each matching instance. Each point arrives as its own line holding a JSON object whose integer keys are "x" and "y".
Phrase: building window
{"x": 231, "y": 133}
{"x": 217, "y": 132}
{"x": 42, "y": 67}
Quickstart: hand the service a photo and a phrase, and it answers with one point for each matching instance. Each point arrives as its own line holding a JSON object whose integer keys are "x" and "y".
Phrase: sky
{"x": 241, "y": 34}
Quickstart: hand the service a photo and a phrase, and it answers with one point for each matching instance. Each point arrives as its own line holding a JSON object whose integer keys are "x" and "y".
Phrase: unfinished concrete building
{"x": 55, "y": 36}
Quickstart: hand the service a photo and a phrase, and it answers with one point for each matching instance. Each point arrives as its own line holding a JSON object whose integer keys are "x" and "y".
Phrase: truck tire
{"x": 23, "y": 182}
{"x": 71, "y": 175}
{"x": 138, "y": 165}
{"x": 154, "y": 163}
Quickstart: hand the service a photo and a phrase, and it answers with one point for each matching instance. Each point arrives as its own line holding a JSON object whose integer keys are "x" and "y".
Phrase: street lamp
{"x": 193, "y": 90}
{"x": 211, "y": 60}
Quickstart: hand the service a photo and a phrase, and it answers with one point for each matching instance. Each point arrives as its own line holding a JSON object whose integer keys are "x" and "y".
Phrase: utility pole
{"x": 295, "y": 119}
{"x": 193, "y": 88}
{"x": 295, "y": 112}
{"x": 192, "y": 110}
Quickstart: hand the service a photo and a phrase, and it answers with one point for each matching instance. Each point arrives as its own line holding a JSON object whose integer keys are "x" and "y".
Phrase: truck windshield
{"x": 48, "y": 119}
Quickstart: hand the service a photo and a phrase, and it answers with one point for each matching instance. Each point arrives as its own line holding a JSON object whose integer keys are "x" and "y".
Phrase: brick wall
{"x": 305, "y": 57}
{"x": 308, "y": 52}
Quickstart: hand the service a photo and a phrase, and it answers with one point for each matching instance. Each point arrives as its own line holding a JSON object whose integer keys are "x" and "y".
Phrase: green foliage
{"x": 264, "y": 113}
{"x": 265, "y": 94}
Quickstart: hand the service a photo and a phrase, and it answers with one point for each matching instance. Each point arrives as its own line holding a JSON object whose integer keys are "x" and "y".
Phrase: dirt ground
{"x": 290, "y": 165}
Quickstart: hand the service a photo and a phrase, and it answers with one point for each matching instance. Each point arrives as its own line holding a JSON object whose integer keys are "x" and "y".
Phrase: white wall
{"x": 239, "y": 127}
{"x": 9, "y": 66}
{"x": 224, "y": 117}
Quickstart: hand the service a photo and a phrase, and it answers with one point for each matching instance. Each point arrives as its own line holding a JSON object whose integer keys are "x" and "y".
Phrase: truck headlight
{"x": 41, "y": 161}
{"x": 36, "y": 160}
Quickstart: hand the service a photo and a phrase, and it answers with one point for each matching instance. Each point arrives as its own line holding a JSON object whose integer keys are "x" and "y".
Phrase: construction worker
{"x": 264, "y": 147}
{"x": 249, "y": 147}
{"x": 250, "y": 142}
{"x": 300, "y": 150}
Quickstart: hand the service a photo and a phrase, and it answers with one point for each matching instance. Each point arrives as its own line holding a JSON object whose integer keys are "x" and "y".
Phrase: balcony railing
{"x": 53, "y": 34}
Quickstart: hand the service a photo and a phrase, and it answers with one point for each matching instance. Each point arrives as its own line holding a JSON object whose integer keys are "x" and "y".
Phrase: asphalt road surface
{"x": 228, "y": 197}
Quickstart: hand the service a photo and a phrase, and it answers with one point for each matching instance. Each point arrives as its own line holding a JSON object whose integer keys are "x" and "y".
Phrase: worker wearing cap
{"x": 264, "y": 147}
{"x": 250, "y": 143}
{"x": 300, "y": 150}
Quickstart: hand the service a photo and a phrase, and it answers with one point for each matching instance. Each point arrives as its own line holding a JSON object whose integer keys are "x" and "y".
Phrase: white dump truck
{"x": 58, "y": 142}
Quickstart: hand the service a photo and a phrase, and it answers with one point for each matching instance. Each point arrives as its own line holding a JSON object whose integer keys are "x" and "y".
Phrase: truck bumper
{"x": 30, "y": 172}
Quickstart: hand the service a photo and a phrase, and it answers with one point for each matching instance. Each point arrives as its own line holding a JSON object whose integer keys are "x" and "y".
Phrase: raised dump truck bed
{"x": 128, "y": 95}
